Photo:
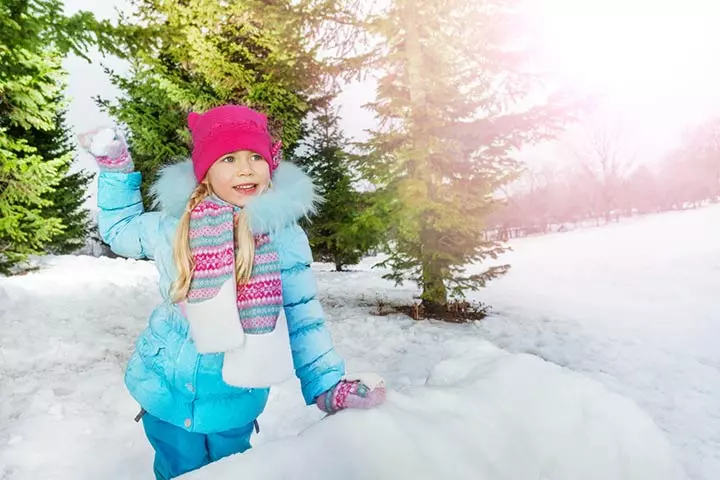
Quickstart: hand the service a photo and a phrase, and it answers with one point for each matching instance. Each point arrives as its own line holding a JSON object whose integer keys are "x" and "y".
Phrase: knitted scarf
{"x": 212, "y": 244}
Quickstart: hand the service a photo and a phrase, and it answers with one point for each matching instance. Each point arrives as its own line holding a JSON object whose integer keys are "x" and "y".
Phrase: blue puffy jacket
{"x": 165, "y": 374}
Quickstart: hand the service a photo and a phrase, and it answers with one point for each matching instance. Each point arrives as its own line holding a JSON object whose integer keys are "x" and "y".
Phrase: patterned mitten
{"x": 109, "y": 148}
{"x": 350, "y": 394}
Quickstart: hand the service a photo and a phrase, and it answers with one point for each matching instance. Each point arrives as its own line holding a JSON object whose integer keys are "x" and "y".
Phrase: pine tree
{"x": 338, "y": 233}
{"x": 67, "y": 199}
{"x": 450, "y": 105}
{"x": 250, "y": 52}
{"x": 156, "y": 123}
{"x": 24, "y": 178}
{"x": 34, "y": 36}
{"x": 29, "y": 82}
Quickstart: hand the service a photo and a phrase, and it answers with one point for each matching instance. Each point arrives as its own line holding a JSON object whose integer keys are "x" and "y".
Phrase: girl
{"x": 240, "y": 308}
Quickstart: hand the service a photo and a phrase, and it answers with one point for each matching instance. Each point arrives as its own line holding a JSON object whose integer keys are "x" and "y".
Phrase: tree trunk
{"x": 338, "y": 264}
{"x": 434, "y": 295}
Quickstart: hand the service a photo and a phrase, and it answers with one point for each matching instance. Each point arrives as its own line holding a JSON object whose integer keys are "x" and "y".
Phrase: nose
{"x": 243, "y": 167}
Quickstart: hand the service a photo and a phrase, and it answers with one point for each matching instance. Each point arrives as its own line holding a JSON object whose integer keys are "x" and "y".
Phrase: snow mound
{"x": 490, "y": 415}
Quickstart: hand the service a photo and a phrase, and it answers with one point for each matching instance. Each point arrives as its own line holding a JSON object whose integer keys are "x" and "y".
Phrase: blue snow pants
{"x": 178, "y": 451}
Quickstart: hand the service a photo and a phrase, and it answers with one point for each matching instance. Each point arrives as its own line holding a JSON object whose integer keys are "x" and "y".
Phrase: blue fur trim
{"x": 173, "y": 187}
{"x": 291, "y": 197}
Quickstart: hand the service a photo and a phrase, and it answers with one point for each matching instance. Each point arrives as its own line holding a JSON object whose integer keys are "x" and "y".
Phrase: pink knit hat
{"x": 227, "y": 129}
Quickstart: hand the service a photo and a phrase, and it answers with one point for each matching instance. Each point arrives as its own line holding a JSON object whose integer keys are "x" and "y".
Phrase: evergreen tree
{"x": 156, "y": 123}
{"x": 66, "y": 200}
{"x": 452, "y": 104}
{"x": 258, "y": 53}
{"x": 24, "y": 178}
{"x": 34, "y": 36}
{"x": 339, "y": 233}
{"x": 29, "y": 82}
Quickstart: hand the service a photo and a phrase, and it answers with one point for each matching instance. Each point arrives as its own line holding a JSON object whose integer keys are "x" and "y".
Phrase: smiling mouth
{"x": 246, "y": 188}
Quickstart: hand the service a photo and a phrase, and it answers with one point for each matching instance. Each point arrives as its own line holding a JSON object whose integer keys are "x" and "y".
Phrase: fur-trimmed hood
{"x": 291, "y": 197}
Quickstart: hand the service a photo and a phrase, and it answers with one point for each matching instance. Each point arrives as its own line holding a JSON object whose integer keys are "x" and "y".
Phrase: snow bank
{"x": 487, "y": 415}
{"x": 629, "y": 306}
{"x": 634, "y": 306}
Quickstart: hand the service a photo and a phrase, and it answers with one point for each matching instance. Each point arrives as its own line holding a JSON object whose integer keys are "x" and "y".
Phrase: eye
{"x": 256, "y": 157}
{"x": 228, "y": 159}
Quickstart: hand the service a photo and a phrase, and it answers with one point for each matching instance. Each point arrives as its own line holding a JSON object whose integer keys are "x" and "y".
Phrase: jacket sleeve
{"x": 122, "y": 221}
{"x": 317, "y": 364}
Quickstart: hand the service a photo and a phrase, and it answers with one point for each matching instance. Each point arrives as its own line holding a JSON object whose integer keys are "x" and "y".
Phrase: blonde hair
{"x": 244, "y": 246}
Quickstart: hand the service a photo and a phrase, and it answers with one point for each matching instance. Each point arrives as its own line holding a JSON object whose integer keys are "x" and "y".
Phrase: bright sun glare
{"x": 625, "y": 48}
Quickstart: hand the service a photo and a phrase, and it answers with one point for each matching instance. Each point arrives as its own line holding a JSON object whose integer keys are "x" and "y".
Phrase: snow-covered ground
{"x": 628, "y": 312}
{"x": 634, "y": 305}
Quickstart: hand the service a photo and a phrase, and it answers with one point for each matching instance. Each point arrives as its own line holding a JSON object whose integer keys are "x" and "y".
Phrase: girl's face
{"x": 239, "y": 176}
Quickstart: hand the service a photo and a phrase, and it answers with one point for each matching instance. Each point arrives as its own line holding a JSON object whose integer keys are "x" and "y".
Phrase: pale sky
{"x": 654, "y": 62}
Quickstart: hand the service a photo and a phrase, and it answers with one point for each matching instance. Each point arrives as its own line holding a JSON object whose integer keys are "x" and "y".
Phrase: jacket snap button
{"x": 188, "y": 423}
{"x": 190, "y": 387}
